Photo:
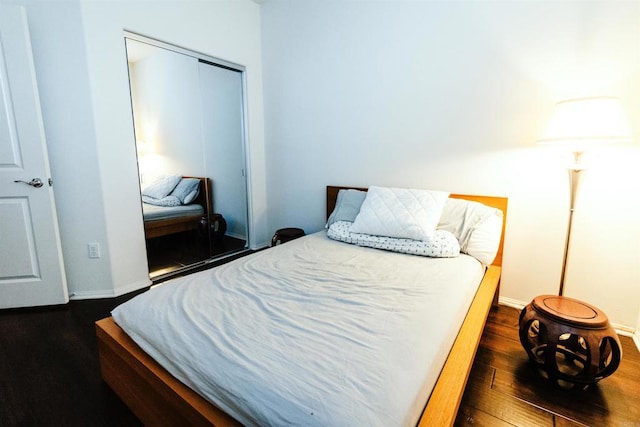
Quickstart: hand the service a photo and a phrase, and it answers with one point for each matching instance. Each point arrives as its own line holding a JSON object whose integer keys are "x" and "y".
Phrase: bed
{"x": 157, "y": 397}
{"x": 165, "y": 220}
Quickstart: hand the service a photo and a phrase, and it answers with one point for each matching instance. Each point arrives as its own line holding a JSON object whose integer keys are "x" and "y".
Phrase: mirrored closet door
{"x": 188, "y": 114}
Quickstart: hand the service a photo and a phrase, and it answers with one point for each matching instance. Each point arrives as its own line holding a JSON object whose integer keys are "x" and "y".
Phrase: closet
{"x": 189, "y": 120}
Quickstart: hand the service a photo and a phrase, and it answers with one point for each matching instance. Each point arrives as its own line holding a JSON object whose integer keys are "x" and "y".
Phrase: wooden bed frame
{"x": 157, "y": 398}
{"x": 164, "y": 227}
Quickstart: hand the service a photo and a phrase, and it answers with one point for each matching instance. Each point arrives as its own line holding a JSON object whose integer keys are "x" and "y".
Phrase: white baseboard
{"x": 623, "y": 330}
{"x": 261, "y": 245}
{"x": 512, "y": 303}
{"x": 109, "y": 293}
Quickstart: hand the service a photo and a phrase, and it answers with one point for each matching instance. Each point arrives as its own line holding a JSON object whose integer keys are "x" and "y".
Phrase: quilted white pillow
{"x": 399, "y": 212}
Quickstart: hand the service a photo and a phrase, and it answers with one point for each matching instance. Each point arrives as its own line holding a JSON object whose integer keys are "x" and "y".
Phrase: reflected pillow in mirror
{"x": 162, "y": 187}
{"x": 187, "y": 190}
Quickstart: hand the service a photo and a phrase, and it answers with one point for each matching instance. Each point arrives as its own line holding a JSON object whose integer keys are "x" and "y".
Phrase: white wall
{"x": 59, "y": 51}
{"x": 445, "y": 95}
{"x": 453, "y": 95}
{"x": 82, "y": 72}
{"x": 168, "y": 121}
{"x": 636, "y": 336}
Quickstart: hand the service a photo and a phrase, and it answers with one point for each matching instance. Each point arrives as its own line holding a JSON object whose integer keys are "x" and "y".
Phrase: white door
{"x": 31, "y": 268}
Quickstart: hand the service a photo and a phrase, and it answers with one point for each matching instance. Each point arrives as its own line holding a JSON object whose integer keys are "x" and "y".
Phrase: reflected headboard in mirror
{"x": 177, "y": 221}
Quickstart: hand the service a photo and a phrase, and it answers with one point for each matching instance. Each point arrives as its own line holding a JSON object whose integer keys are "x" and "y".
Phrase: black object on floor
{"x": 284, "y": 235}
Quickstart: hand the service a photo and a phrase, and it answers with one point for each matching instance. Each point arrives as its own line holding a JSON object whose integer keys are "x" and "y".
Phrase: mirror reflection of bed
{"x": 188, "y": 119}
{"x": 181, "y": 229}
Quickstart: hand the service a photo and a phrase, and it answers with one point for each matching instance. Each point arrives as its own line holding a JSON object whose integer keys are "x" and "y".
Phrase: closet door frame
{"x": 201, "y": 57}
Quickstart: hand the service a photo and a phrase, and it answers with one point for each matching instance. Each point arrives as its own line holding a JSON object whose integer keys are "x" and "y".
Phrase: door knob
{"x": 35, "y": 182}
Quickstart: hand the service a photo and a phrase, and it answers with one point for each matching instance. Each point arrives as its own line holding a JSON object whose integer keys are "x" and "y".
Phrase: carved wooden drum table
{"x": 570, "y": 342}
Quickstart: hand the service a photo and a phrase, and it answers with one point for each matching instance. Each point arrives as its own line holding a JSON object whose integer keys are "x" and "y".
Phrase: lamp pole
{"x": 583, "y": 122}
{"x": 575, "y": 177}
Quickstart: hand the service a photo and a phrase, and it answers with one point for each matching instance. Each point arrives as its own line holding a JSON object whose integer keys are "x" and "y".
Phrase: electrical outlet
{"x": 94, "y": 250}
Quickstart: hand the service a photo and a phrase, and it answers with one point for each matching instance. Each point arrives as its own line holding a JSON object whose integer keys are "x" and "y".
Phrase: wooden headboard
{"x": 495, "y": 202}
{"x": 204, "y": 197}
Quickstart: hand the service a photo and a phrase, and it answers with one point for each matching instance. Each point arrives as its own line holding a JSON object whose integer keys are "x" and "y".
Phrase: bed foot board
{"x": 152, "y": 394}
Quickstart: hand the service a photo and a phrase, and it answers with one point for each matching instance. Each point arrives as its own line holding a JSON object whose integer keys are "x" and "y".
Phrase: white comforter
{"x": 311, "y": 332}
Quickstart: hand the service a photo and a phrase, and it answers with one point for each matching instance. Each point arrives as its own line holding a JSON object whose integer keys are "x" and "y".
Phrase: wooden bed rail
{"x": 442, "y": 406}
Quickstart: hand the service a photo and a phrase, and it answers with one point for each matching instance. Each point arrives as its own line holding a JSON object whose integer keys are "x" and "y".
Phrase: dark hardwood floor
{"x": 504, "y": 390}
{"x": 178, "y": 252}
{"x": 49, "y": 371}
{"x": 49, "y": 376}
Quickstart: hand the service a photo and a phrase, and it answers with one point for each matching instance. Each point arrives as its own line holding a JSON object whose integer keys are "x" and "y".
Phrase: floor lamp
{"x": 571, "y": 342}
{"x": 580, "y": 124}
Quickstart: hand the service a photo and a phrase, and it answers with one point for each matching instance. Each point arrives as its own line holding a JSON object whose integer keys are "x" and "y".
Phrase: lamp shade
{"x": 587, "y": 121}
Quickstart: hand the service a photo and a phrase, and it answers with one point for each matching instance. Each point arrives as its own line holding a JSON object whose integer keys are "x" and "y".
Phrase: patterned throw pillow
{"x": 442, "y": 244}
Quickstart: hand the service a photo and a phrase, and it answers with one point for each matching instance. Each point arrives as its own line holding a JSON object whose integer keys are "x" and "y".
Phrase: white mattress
{"x": 153, "y": 212}
{"x": 310, "y": 332}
